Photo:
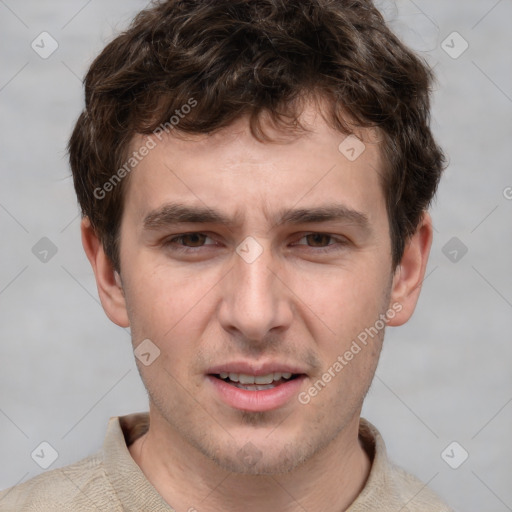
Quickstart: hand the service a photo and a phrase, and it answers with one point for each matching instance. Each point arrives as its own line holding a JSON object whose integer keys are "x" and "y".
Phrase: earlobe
{"x": 108, "y": 281}
{"x": 410, "y": 273}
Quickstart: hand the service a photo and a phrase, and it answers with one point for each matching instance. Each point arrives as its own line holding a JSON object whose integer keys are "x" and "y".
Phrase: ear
{"x": 410, "y": 273}
{"x": 108, "y": 281}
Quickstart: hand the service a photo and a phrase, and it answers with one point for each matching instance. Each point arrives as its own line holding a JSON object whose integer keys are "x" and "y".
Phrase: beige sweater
{"x": 110, "y": 480}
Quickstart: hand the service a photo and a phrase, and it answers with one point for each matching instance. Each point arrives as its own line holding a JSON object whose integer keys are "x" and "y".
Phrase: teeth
{"x": 245, "y": 379}
{"x": 254, "y": 388}
{"x": 266, "y": 379}
{"x": 260, "y": 380}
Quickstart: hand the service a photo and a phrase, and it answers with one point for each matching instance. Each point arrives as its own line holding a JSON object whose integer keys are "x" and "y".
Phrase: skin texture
{"x": 301, "y": 302}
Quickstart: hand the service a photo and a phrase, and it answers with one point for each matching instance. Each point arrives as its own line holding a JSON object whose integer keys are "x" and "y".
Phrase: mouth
{"x": 256, "y": 382}
{"x": 247, "y": 388}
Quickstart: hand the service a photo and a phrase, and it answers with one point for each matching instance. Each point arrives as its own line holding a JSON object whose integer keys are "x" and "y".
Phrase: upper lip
{"x": 250, "y": 368}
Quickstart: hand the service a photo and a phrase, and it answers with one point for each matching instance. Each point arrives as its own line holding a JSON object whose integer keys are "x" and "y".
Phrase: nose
{"x": 256, "y": 303}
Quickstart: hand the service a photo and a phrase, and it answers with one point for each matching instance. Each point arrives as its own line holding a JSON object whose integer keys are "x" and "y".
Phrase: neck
{"x": 329, "y": 481}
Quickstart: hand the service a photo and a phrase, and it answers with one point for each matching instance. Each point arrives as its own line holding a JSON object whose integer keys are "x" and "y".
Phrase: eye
{"x": 193, "y": 242}
{"x": 189, "y": 240}
{"x": 317, "y": 239}
{"x": 320, "y": 240}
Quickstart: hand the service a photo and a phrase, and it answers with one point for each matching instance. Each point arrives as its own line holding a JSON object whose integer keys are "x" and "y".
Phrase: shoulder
{"x": 414, "y": 495}
{"x": 389, "y": 487}
{"x": 82, "y": 486}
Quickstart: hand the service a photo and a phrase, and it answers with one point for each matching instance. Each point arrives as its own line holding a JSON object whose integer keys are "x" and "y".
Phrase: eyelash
{"x": 174, "y": 244}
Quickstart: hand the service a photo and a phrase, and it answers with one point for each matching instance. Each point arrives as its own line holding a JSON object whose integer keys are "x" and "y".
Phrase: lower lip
{"x": 256, "y": 401}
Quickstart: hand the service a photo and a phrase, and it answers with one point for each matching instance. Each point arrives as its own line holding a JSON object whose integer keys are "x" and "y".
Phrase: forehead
{"x": 232, "y": 171}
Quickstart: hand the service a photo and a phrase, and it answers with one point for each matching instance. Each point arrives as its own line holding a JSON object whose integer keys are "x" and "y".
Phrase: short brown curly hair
{"x": 237, "y": 58}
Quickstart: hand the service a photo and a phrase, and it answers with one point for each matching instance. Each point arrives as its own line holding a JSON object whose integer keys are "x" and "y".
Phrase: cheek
{"x": 342, "y": 302}
{"x": 166, "y": 299}
{"x": 171, "y": 309}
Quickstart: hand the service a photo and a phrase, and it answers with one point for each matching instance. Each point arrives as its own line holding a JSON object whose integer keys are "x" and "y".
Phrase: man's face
{"x": 314, "y": 273}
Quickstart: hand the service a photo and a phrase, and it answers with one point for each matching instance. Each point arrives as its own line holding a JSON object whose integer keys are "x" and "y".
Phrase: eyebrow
{"x": 175, "y": 213}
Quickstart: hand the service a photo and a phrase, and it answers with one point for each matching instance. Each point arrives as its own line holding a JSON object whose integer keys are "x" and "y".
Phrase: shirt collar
{"x": 137, "y": 493}
{"x": 132, "y": 488}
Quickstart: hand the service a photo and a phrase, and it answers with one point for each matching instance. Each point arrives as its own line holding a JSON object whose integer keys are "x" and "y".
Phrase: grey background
{"x": 445, "y": 376}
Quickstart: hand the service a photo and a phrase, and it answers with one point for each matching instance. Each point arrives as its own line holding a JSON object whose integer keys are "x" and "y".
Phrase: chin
{"x": 251, "y": 460}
